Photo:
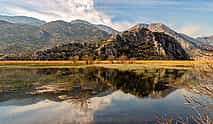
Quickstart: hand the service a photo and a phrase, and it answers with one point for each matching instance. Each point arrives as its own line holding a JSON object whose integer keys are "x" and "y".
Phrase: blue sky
{"x": 193, "y": 17}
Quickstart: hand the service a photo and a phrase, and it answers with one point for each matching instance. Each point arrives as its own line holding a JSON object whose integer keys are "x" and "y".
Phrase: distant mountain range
{"x": 206, "y": 42}
{"x": 22, "y": 20}
{"x": 26, "y": 36}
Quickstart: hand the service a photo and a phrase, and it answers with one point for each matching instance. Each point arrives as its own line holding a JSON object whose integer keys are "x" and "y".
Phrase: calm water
{"x": 100, "y": 95}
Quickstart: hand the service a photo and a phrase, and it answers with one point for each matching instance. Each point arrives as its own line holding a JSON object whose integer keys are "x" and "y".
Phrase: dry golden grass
{"x": 148, "y": 62}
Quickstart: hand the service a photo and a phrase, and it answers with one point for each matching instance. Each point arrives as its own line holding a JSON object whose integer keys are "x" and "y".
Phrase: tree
{"x": 132, "y": 60}
{"x": 111, "y": 58}
{"x": 74, "y": 58}
{"x": 123, "y": 57}
{"x": 87, "y": 58}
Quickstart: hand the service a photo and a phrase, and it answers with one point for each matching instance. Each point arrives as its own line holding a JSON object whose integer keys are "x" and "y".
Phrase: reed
{"x": 147, "y": 62}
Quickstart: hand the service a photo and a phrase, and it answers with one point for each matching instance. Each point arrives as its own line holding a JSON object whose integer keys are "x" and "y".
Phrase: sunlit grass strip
{"x": 148, "y": 62}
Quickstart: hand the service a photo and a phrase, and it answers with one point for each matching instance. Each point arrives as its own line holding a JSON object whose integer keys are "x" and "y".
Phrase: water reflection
{"x": 56, "y": 84}
{"x": 92, "y": 95}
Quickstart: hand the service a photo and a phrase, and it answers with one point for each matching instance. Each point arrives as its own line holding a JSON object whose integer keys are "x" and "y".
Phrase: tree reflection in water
{"x": 95, "y": 93}
{"x": 84, "y": 83}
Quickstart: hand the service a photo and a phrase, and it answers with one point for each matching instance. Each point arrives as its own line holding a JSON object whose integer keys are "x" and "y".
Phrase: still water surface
{"x": 100, "y": 95}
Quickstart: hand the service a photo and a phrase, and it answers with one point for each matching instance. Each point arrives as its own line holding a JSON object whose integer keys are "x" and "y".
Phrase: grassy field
{"x": 148, "y": 62}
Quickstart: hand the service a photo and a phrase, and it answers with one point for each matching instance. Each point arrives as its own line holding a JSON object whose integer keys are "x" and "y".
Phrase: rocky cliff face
{"x": 138, "y": 43}
{"x": 142, "y": 43}
{"x": 193, "y": 47}
{"x": 187, "y": 44}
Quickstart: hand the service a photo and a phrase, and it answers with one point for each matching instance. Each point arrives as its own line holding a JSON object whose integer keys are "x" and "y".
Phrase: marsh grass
{"x": 199, "y": 119}
{"x": 149, "y": 62}
{"x": 204, "y": 75}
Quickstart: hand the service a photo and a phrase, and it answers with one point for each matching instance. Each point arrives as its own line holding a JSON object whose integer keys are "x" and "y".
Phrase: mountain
{"x": 77, "y": 21}
{"x": 107, "y": 29}
{"x": 206, "y": 42}
{"x": 84, "y": 39}
{"x": 141, "y": 43}
{"x": 16, "y": 38}
{"x": 189, "y": 44}
{"x": 138, "y": 43}
{"x": 22, "y": 20}
{"x": 101, "y": 27}
{"x": 64, "y": 32}
{"x": 25, "y": 39}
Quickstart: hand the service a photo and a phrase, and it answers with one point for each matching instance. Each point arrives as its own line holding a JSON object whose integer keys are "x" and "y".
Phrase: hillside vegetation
{"x": 25, "y": 39}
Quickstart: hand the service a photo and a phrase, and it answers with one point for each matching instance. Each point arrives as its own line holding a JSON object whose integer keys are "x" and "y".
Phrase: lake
{"x": 104, "y": 94}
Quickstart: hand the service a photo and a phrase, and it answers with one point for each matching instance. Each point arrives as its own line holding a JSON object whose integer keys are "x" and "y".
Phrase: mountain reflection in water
{"x": 92, "y": 95}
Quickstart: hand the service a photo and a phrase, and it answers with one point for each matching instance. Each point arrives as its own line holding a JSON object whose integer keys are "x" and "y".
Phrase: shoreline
{"x": 114, "y": 62}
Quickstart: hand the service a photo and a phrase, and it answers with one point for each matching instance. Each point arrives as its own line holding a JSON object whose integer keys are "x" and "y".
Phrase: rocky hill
{"x": 187, "y": 44}
{"x": 138, "y": 43}
{"x": 192, "y": 46}
{"x": 141, "y": 43}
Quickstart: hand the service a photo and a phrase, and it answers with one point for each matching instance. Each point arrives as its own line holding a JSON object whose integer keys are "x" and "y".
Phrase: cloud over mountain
{"x": 67, "y": 10}
{"x": 119, "y": 14}
{"x": 192, "y": 30}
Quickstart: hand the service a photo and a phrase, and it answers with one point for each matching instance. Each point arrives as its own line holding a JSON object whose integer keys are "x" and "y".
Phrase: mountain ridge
{"x": 22, "y": 20}
{"x": 100, "y": 26}
{"x": 144, "y": 42}
{"x": 159, "y": 27}
{"x": 206, "y": 42}
{"x": 141, "y": 44}
{"x": 23, "y": 38}
{"x": 26, "y": 39}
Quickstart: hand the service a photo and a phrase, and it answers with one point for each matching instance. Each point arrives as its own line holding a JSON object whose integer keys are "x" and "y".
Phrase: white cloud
{"x": 210, "y": 5}
{"x": 191, "y": 30}
{"x": 49, "y": 112}
{"x": 67, "y": 10}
